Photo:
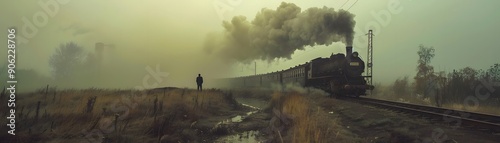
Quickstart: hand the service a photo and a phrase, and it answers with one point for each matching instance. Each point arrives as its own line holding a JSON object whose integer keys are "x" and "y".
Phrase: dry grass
{"x": 309, "y": 123}
{"x": 305, "y": 127}
{"x": 139, "y": 116}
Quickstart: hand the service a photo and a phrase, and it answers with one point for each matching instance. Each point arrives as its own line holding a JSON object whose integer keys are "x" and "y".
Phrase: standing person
{"x": 199, "y": 81}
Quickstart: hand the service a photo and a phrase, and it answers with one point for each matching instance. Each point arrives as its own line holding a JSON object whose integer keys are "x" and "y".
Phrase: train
{"x": 339, "y": 75}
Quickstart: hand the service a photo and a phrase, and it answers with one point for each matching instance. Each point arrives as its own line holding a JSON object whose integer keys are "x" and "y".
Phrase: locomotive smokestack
{"x": 348, "y": 51}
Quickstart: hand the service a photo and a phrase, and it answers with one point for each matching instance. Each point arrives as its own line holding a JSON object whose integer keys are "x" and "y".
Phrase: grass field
{"x": 103, "y": 115}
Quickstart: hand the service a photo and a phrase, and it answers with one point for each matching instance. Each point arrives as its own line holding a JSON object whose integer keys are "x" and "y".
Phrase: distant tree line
{"x": 452, "y": 87}
{"x": 464, "y": 82}
{"x": 68, "y": 63}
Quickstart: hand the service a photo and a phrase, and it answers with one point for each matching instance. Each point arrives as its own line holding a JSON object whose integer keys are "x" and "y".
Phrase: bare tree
{"x": 66, "y": 60}
{"x": 424, "y": 69}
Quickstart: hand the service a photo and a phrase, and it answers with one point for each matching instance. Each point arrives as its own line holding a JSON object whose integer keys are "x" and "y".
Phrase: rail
{"x": 468, "y": 119}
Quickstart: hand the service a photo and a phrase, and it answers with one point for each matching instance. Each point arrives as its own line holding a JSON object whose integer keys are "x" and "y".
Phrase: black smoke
{"x": 275, "y": 34}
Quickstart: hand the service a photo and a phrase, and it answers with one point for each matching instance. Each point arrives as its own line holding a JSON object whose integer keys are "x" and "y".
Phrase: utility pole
{"x": 369, "y": 61}
{"x": 255, "y": 68}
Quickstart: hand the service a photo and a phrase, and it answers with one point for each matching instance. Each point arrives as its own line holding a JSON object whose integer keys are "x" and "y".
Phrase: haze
{"x": 172, "y": 34}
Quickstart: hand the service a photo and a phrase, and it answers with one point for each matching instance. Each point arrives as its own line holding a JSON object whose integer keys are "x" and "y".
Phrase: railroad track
{"x": 478, "y": 121}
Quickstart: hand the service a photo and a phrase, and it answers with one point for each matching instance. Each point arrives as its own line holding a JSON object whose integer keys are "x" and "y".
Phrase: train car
{"x": 271, "y": 78}
{"x": 295, "y": 75}
{"x": 340, "y": 75}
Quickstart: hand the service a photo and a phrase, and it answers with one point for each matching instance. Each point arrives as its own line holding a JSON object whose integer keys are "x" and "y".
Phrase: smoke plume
{"x": 275, "y": 34}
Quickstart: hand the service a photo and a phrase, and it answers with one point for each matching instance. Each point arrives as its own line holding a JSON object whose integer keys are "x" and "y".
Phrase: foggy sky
{"x": 171, "y": 34}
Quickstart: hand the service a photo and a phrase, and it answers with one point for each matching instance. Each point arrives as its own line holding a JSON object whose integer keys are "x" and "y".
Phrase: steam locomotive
{"x": 339, "y": 75}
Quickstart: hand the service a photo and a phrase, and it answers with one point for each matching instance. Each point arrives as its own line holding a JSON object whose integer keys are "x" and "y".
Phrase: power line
{"x": 352, "y": 5}
{"x": 344, "y": 4}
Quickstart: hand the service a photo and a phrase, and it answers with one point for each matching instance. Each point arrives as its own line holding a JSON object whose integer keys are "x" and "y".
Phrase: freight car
{"x": 340, "y": 75}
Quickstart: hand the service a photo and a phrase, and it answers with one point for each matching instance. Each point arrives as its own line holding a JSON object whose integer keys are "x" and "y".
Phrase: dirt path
{"x": 380, "y": 125}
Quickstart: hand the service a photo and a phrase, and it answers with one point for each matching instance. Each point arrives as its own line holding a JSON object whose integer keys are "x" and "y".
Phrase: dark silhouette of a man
{"x": 199, "y": 81}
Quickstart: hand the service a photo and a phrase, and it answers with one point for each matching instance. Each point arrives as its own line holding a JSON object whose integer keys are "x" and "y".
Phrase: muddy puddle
{"x": 228, "y": 127}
